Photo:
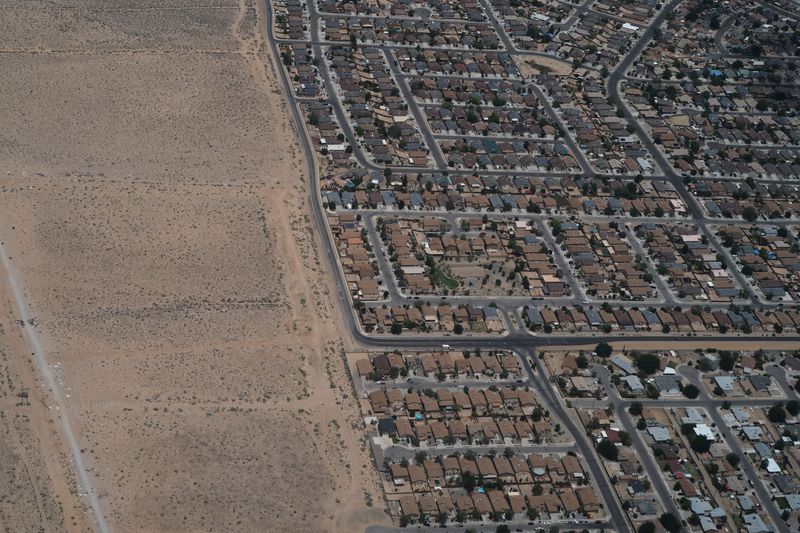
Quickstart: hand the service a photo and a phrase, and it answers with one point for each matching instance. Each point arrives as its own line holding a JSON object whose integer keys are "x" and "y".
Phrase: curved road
{"x": 520, "y": 342}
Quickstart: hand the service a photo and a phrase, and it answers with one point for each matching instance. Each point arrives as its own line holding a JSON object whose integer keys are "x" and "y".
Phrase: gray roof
{"x": 668, "y": 384}
{"x": 760, "y": 383}
{"x": 752, "y": 433}
{"x": 659, "y": 434}
{"x": 724, "y": 382}
{"x": 754, "y": 523}
{"x": 623, "y": 364}
{"x": 633, "y": 382}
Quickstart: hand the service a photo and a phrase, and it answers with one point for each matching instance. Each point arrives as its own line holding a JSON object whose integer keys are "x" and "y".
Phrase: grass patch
{"x": 440, "y": 278}
{"x": 544, "y": 69}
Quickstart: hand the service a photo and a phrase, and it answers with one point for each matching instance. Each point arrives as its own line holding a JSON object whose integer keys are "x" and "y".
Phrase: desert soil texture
{"x": 154, "y": 215}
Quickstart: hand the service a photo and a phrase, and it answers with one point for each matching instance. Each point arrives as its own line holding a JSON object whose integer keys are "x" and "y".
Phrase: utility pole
{"x": 24, "y": 401}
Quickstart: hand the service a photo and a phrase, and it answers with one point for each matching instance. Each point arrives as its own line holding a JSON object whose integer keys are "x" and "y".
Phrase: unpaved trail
{"x": 53, "y": 387}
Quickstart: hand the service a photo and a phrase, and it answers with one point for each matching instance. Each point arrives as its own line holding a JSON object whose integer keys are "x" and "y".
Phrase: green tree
{"x": 727, "y": 360}
{"x": 691, "y": 392}
{"x": 793, "y": 407}
{"x": 468, "y": 480}
{"x": 700, "y": 444}
{"x": 647, "y": 527}
{"x": 648, "y": 363}
{"x": 603, "y": 349}
{"x": 635, "y": 409}
{"x": 733, "y": 459}
{"x": 670, "y": 523}
{"x": 395, "y": 131}
{"x": 607, "y": 449}
{"x": 777, "y": 414}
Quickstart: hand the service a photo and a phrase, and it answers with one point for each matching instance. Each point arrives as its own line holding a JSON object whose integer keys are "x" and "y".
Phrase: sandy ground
{"x": 533, "y": 66}
{"x": 154, "y": 207}
{"x": 36, "y": 479}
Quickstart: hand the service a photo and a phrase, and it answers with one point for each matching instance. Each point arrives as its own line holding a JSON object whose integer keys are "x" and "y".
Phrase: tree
{"x": 647, "y": 527}
{"x": 581, "y": 361}
{"x": 727, "y": 360}
{"x": 635, "y": 409}
{"x": 793, "y": 407}
{"x": 503, "y": 528}
{"x": 395, "y": 131}
{"x": 458, "y": 329}
{"x": 670, "y": 523}
{"x": 624, "y": 438}
{"x": 468, "y": 480}
{"x": 648, "y": 363}
{"x": 691, "y": 392}
{"x": 607, "y": 449}
{"x": 397, "y": 328}
{"x": 776, "y": 414}
{"x": 603, "y": 349}
{"x": 733, "y": 459}
{"x": 750, "y": 214}
{"x": 700, "y": 444}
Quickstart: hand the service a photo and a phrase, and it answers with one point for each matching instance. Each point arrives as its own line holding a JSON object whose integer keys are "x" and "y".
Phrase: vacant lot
{"x": 154, "y": 209}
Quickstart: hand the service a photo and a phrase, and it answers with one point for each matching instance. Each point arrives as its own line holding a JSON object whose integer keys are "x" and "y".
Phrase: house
{"x": 399, "y": 474}
{"x": 418, "y": 478}
{"x": 668, "y": 385}
{"x": 623, "y": 363}
{"x": 587, "y": 499}
{"x": 409, "y": 507}
{"x": 760, "y": 383}
{"x": 634, "y": 384}
{"x": 724, "y": 382}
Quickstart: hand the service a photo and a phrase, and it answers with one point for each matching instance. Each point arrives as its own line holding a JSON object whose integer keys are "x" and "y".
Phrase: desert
{"x": 154, "y": 211}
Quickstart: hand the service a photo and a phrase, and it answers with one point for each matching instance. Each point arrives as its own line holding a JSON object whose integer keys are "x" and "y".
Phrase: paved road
{"x": 778, "y": 373}
{"x": 428, "y": 383}
{"x": 518, "y": 341}
{"x": 613, "y": 87}
{"x": 692, "y": 375}
{"x": 585, "y": 449}
{"x": 663, "y": 288}
{"x": 385, "y": 266}
{"x": 419, "y": 116}
{"x": 578, "y": 295}
{"x": 657, "y": 481}
{"x": 397, "y": 453}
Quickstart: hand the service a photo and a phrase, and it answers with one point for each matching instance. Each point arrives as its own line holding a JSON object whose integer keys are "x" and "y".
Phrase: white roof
{"x": 707, "y": 432}
{"x": 772, "y": 466}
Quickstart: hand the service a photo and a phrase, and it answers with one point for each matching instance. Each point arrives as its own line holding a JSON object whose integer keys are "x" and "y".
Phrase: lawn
{"x": 440, "y": 278}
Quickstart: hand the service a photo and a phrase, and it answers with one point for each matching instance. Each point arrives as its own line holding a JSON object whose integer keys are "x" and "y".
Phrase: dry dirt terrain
{"x": 153, "y": 203}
